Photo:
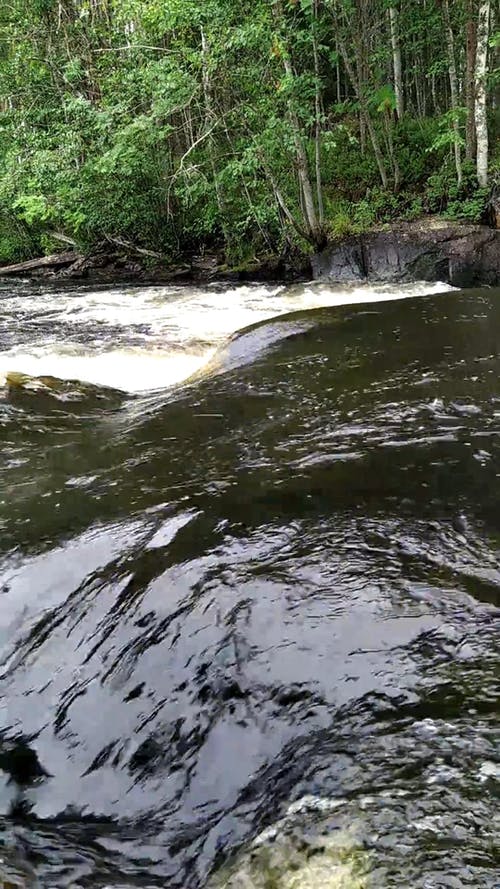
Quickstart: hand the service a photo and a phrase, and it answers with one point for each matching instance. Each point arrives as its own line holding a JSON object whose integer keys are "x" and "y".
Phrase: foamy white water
{"x": 140, "y": 339}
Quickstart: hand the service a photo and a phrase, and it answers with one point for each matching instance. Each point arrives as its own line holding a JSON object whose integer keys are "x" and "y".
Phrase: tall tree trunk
{"x": 209, "y": 116}
{"x": 389, "y": 123}
{"x": 480, "y": 77}
{"x": 452, "y": 70}
{"x": 310, "y": 214}
{"x": 470, "y": 90}
{"x": 284, "y": 208}
{"x": 362, "y": 133}
{"x": 337, "y": 69}
{"x": 435, "y": 102}
{"x": 396, "y": 61}
{"x": 317, "y": 114}
{"x": 358, "y": 89}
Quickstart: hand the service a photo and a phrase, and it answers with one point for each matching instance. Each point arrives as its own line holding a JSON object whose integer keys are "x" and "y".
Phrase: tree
{"x": 262, "y": 125}
{"x": 470, "y": 85}
{"x": 396, "y": 59}
{"x": 354, "y": 68}
{"x": 481, "y": 95}
{"x": 313, "y": 228}
{"x": 452, "y": 69}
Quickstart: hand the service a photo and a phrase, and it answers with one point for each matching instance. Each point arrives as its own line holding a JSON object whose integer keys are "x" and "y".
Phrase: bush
{"x": 444, "y": 195}
{"x": 413, "y": 141}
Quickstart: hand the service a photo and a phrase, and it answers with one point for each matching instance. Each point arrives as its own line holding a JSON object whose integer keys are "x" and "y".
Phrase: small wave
{"x": 246, "y": 345}
{"x": 142, "y": 339}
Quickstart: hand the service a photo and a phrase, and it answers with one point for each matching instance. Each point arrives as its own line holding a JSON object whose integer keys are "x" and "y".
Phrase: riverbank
{"x": 121, "y": 266}
{"x": 429, "y": 249}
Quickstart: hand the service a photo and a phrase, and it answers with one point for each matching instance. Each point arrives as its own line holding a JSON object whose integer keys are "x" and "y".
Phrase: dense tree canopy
{"x": 254, "y": 124}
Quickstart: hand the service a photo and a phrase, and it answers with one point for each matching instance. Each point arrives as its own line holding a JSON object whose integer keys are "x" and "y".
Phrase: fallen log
{"x": 121, "y": 242}
{"x": 55, "y": 260}
{"x": 64, "y": 239}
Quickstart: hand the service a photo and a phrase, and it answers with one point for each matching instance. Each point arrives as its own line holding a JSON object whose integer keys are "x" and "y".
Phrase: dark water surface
{"x": 255, "y": 615}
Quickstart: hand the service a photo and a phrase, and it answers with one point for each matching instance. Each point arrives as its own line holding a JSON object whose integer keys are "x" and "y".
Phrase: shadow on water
{"x": 247, "y": 628}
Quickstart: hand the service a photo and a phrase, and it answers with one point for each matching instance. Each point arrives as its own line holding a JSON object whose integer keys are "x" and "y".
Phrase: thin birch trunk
{"x": 480, "y": 77}
{"x": 452, "y": 70}
{"x": 396, "y": 61}
{"x": 317, "y": 111}
{"x": 470, "y": 87}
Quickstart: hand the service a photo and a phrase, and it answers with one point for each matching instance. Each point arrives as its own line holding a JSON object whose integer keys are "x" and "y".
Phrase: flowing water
{"x": 249, "y": 587}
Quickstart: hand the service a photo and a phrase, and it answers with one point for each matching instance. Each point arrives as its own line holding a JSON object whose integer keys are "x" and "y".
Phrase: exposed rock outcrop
{"x": 432, "y": 250}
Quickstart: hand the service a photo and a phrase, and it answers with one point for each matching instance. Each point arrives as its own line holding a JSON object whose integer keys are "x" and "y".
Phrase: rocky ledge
{"x": 429, "y": 250}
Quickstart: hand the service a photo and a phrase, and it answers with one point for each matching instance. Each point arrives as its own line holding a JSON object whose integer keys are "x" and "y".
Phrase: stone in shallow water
{"x": 309, "y": 853}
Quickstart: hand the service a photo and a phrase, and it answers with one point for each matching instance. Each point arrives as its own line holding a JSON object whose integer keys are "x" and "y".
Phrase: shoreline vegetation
{"x": 430, "y": 249}
{"x": 150, "y": 139}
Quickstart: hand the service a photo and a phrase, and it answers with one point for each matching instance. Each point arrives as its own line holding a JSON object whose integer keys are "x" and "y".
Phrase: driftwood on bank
{"x": 64, "y": 239}
{"x": 121, "y": 242}
{"x": 55, "y": 260}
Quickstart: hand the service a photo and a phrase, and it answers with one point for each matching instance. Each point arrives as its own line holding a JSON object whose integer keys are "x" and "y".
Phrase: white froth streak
{"x": 176, "y": 331}
{"x": 132, "y": 370}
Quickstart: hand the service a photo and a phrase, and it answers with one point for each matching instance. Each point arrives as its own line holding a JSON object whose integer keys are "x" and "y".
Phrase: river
{"x": 250, "y": 575}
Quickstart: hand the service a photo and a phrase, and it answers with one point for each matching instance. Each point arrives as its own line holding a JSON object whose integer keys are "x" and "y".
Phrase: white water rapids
{"x": 144, "y": 338}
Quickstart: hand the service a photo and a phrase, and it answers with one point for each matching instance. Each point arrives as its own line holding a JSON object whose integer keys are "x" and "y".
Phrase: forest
{"x": 252, "y": 127}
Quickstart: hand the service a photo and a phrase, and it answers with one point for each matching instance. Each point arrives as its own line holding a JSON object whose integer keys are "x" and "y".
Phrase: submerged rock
{"x": 40, "y": 391}
{"x": 433, "y": 250}
{"x": 308, "y": 849}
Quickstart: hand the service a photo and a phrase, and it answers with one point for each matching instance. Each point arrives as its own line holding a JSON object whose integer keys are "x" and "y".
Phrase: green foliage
{"x": 16, "y": 242}
{"x": 413, "y": 139}
{"x": 446, "y": 136}
{"x": 180, "y": 125}
{"x": 340, "y": 218}
{"x": 470, "y": 209}
{"x": 384, "y": 98}
{"x": 444, "y": 195}
{"x": 347, "y": 171}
